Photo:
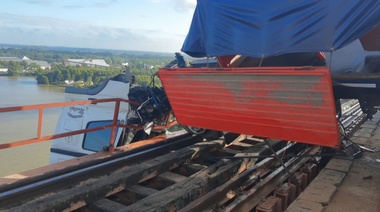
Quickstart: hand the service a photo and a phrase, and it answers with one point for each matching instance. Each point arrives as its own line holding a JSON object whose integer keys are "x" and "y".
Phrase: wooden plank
{"x": 180, "y": 194}
{"x": 173, "y": 177}
{"x": 110, "y": 184}
{"x": 106, "y": 205}
{"x": 188, "y": 169}
{"x": 219, "y": 194}
{"x": 241, "y": 144}
{"x": 141, "y": 191}
{"x": 229, "y": 151}
{"x": 154, "y": 140}
{"x": 253, "y": 197}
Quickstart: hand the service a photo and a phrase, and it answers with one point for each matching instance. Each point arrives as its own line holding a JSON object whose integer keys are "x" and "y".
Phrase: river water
{"x": 15, "y": 126}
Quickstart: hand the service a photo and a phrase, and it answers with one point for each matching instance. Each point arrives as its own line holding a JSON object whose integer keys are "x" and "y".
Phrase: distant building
{"x": 87, "y": 62}
{"x": 16, "y": 59}
{"x": 42, "y": 64}
{"x": 2, "y": 70}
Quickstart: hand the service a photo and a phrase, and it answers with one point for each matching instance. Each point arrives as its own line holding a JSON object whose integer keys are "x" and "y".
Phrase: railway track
{"x": 352, "y": 116}
{"x": 181, "y": 173}
{"x": 173, "y": 180}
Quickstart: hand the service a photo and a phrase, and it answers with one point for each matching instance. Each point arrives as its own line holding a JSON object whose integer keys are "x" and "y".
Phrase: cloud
{"x": 71, "y": 5}
{"x": 185, "y": 5}
{"x": 97, "y": 4}
{"x": 105, "y": 3}
{"x": 158, "y": 1}
{"x": 34, "y": 30}
{"x": 179, "y": 5}
{"x": 37, "y": 2}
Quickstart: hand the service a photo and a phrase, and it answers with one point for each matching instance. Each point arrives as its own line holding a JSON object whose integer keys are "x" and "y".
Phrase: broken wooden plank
{"x": 252, "y": 198}
{"x": 219, "y": 194}
{"x": 188, "y": 169}
{"x": 178, "y": 195}
{"x": 104, "y": 186}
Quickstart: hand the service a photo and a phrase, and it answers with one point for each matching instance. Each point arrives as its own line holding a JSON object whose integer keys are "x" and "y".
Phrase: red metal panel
{"x": 287, "y": 103}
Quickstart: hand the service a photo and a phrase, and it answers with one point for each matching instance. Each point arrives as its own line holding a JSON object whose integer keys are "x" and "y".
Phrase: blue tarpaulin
{"x": 260, "y": 28}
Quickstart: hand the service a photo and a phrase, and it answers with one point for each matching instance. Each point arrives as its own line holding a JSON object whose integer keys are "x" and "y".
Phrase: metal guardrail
{"x": 42, "y": 107}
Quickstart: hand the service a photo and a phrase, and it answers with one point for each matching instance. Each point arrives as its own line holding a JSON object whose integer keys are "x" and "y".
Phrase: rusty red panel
{"x": 276, "y": 102}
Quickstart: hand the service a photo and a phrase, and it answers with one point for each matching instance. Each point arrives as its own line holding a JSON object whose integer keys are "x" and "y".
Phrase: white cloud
{"x": 81, "y": 4}
{"x": 71, "y": 4}
{"x": 37, "y": 2}
{"x": 185, "y": 5}
{"x": 56, "y": 32}
{"x": 179, "y": 5}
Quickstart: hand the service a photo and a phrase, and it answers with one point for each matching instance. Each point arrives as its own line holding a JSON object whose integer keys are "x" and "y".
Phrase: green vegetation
{"x": 86, "y": 75}
{"x": 143, "y": 65}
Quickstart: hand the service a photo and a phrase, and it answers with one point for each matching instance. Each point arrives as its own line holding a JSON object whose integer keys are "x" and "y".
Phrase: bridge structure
{"x": 184, "y": 172}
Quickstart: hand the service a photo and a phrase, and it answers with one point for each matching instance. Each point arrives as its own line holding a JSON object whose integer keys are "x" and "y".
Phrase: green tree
{"x": 14, "y": 68}
{"x": 42, "y": 80}
{"x": 10, "y": 72}
{"x": 34, "y": 66}
{"x": 24, "y": 65}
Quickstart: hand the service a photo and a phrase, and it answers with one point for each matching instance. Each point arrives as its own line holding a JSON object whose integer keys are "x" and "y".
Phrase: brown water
{"x": 22, "y": 125}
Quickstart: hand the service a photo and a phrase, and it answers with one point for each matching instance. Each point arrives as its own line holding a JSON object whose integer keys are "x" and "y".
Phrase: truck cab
{"x": 78, "y": 117}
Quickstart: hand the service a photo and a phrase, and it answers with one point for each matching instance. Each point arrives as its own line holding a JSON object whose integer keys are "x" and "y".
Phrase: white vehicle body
{"x": 80, "y": 117}
{"x": 153, "y": 111}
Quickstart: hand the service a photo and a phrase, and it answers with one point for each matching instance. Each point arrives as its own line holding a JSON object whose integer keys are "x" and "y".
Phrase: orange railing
{"x": 41, "y": 107}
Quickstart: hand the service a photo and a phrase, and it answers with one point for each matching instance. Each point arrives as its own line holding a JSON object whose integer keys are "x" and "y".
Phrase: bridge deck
{"x": 352, "y": 185}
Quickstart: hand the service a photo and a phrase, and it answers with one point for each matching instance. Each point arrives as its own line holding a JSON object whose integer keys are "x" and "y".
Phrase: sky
{"x": 142, "y": 25}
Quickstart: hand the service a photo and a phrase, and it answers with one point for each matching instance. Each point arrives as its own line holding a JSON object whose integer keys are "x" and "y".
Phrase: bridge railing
{"x": 41, "y": 107}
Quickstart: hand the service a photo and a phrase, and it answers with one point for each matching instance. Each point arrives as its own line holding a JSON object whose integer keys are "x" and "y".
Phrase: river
{"x": 14, "y": 126}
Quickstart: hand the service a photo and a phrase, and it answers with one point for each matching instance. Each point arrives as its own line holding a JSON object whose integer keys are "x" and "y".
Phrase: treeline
{"x": 142, "y": 64}
{"x": 81, "y": 76}
{"x": 19, "y": 68}
{"x": 112, "y": 57}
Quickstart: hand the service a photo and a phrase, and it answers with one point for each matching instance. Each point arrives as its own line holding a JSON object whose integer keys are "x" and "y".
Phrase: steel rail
{"x": 250, "y": 199}
{"x": 354, "y": 112}
{"x": 220, "y": 192}
{"x": 23, "y": 191}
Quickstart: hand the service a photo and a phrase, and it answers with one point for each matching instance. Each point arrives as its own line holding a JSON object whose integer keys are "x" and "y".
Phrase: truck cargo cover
{"x": 263, "y": 28}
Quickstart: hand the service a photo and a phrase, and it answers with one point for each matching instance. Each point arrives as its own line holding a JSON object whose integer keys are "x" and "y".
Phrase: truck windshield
{"x": 98, "y": 140}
